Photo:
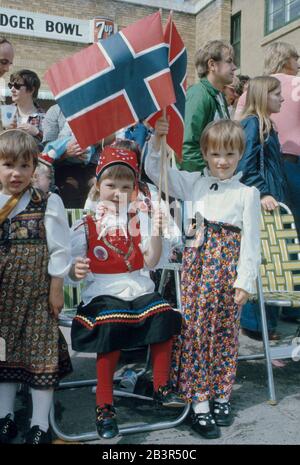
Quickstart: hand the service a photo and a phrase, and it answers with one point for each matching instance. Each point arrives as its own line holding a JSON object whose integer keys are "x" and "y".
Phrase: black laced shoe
{"x": 8, "y": 429}
{"x": 222, "y": 413}
{"x": 106, "y": 421}
{"x": 205, "y": 425}
{"x": 167, "y": 398}
{"x": 36, "y": 436}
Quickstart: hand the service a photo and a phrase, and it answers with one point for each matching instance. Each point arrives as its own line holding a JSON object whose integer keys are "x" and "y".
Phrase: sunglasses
{"x": 16, "y": 85}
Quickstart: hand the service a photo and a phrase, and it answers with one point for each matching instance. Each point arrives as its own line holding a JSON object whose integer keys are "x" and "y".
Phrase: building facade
{"x": 257, "y": 23}
{"x": 44, "y": 32}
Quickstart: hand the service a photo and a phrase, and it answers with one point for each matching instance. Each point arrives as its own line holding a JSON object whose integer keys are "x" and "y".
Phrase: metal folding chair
{"x": 72, "y": 299}
{"x": 278, "y": 276}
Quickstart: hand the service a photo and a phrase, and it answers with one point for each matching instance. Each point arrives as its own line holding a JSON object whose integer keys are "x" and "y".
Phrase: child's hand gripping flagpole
{"x": 164, "y": 161}
{"x": 163, "y": 181}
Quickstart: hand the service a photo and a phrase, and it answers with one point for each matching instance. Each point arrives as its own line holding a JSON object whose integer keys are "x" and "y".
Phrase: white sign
{"x": 47, "y": 26}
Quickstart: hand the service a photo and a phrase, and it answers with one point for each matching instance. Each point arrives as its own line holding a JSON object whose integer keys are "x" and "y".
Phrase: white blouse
{"x": 232, "y": 202}
{"x": 126, "y": 286}
{"x": 57, "y": 232}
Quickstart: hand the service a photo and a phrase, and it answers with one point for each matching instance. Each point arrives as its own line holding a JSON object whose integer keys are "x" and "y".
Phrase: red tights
{"x": 107, "y": 363}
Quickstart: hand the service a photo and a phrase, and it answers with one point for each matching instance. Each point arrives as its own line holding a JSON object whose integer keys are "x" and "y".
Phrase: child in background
{"x": 34, "y": 258}
{"x": 119, "y": 308}
{"x": 218, "y": 271}
{"x": 42, "y": 177}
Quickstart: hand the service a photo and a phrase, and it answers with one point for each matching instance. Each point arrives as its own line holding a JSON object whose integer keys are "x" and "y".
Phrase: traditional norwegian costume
{"x": 119, "y": 307}
{"x": 34, "y": 245}
{"x": 227, "y": 257}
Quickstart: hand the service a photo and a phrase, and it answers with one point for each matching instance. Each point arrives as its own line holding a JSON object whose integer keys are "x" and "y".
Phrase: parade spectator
{"x": 232, "y": 95}
{"x": 205, "y": 101}
{"x": 35, "y": 257}
{"x": 112, "y": 250}
{"x": 262, "y": 167}
{"x": 6, "y": 56}
{"x": 244, "y": 83}
{"x": 74, "y": 167}
{"x": 281, "y": 61}
{"x": 225, "y": 237}
{"x": 6, "y": 60}
{"x": 42, "y": 177}
{"x": 29, "y": 117}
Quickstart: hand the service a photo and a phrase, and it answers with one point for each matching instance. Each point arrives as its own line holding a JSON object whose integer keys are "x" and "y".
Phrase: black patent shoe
{"x": 167, "y": 398}
{"x": 205, "y": 425}
{"x": 8, "y": 429}
{"x": 36, "y": 436}
{"x": 106, "y": 421}
{"x": 222, "y": 413}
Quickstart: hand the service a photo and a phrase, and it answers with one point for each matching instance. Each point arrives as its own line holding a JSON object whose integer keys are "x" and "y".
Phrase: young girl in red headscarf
{"x": 119, "y": 308}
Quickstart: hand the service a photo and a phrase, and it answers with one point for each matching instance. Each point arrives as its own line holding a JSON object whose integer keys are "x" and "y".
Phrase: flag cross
{"x": 178, "y": 71}
{"x": 131, "y": 79}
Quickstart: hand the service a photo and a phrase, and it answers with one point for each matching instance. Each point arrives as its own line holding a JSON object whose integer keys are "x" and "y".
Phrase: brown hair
{"x": 117, "y": 171}
{"x": 30, "y": 79}
{"x": 223, "y": 134}
{"x": 4, "y": 41}
{"x": 15, "y": 144}
{"x": 211, "y": 50}
{"x": 257, "y": 102}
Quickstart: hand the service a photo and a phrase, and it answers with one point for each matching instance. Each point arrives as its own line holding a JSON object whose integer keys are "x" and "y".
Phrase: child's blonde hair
{"x": 277, "y": 56}
{"x": 257, "y": 102}
{"x": 225, "y": 134}
{"x": 15, "y": 144}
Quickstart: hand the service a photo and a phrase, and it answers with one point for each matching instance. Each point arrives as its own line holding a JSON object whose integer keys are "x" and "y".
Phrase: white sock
{"x": 221, "y": 401}
{"x": 8, "y": 393}
{"x": 41, "y": 405}
{"x": 201, "y": 407}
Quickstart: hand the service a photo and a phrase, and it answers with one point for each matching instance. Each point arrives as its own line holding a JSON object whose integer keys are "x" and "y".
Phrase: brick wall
{"x": 38, "y": 54}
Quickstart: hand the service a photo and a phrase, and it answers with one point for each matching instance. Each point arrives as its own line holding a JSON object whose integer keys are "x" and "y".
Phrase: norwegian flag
{"x": 114, "y": 83}
{"x": 178, "y": 65}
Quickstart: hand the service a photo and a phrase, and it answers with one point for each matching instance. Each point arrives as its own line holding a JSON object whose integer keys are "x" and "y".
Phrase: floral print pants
{"x": 205, "y": 354}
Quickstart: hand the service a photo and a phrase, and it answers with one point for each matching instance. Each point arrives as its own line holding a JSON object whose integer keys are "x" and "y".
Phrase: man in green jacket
{"x": 205, "y": 101}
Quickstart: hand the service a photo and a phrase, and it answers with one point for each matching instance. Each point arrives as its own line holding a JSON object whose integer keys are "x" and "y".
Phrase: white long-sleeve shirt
{"x": 232, "y": 202}
{"x": 57, "y": 232}
{"x": 126, "y": 286}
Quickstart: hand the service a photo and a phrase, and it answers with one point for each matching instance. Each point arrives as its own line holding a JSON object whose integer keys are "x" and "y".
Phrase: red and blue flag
{"x": 114, "y": 83}
{"x": 178, "y": 67}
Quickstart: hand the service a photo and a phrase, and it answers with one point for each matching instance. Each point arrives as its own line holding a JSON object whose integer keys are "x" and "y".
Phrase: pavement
{"x": 256, "y": 421}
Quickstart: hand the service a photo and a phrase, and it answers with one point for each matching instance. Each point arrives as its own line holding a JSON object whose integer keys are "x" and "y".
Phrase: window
{"x": 236, "y": 37}
{"x": 281, "y": 12}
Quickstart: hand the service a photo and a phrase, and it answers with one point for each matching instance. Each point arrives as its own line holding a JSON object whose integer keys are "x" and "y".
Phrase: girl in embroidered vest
{"x": 34, "y": 258}
{"x": 218, "y": 271}
{"x": 119, "y": 308}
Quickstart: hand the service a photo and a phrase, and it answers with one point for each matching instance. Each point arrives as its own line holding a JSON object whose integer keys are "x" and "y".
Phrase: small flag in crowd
{"x": 114, "y": 83}
{"x": 178, "y": 65}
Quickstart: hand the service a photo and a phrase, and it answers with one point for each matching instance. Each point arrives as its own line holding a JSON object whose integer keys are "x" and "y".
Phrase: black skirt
{"x": 108, "y": 323}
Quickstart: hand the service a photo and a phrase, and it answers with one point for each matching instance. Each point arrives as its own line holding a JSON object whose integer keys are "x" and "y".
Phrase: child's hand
{"x": 81, "y": 267}
{"x": 56, "y": 296}
{"x": 159, "y": 222}
{"x": 269, "y": 203}
{"x": 161, "y": 129}
{"x": 240, "y": 297}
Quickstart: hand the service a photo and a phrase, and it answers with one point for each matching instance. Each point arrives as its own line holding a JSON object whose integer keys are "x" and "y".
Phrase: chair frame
{"x": 66, "y": 321}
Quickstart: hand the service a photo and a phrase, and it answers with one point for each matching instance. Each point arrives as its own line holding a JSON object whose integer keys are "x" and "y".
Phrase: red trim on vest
{"x": 115, "y": 262}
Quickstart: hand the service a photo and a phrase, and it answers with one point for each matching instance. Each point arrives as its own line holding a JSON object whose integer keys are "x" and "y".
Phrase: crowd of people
{"x": 240, "y": 154}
